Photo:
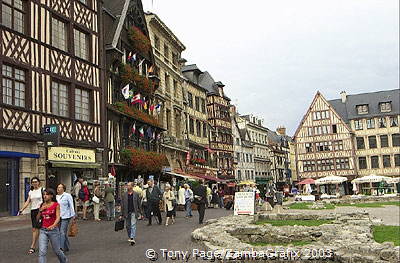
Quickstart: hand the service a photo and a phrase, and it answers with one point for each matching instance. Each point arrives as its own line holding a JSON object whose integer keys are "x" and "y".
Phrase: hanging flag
{"x": 141, "y": 132}
{"x": 113, "y": 173}
{"x": 133, "y": 58}
{"x": 136, "y": 98}
{"x": 152, "y": 108}
{"x": 125, "y": 91}
{"x": 154, "y": 135}
{"x": 134, "y": 128}
{"x": 158, "y": 108}
{"x": 140, "y": 65}
{"x": 130, "y": 93}
{"x": 145, "y": 106}
{"x": 151, "y": 69}
{"x": 187, "y": 158}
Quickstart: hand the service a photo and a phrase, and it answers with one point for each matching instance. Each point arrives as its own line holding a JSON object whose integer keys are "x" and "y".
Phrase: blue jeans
{"x": 110, "y": 210}
{"x": 64, "y": 234}
{"x": 221, "y": 202}
{"x": 131, "y": 225}
{"x": 188, "y": 207}
{"x": 54, "y": 237}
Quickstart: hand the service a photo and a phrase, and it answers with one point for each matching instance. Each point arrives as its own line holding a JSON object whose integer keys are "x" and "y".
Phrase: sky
{"x": 274, "y": 55}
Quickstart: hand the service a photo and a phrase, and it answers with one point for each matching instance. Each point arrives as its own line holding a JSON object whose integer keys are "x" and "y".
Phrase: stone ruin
{"x": 349, "y": 236}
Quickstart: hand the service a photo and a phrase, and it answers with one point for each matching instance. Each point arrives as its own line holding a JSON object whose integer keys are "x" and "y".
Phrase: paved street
{"x": 97, "y": 241}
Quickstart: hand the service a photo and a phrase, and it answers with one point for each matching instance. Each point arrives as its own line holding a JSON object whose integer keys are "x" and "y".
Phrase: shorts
{"x": 171, "y": 213}
{"x": 35, "y": 223}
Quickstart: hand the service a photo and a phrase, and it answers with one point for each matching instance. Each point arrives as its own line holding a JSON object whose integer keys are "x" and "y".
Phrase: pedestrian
{"x": 200, "y": 197}
{"x": 130, "y": 210}
{"x": 209, "y": 196}
{"x": 188, "y": 200}
{"x": 145, "y": 206}
{"x": 35, "y": 199}
{"x": 75, "y": 193}
{"x": 169, "y": 202}
{"x": 84, "y": 196}
{"x": 138, "y": 189}
{"x": 215, "y": 198}
{"x": 49, "y": 212}
{"x": 96, "y": 201}
{"x": 67, "y": 213}
{"x": 110, "y": 201}
{"x": 221, "y": 195}
{"x": 181, "y": 196}
{"x": 153, "y": 195}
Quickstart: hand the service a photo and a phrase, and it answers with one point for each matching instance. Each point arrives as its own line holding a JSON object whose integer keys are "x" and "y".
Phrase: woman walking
{"x": 110, "y": 201}
{"x": 169, "y": 199}
{"x": 96, "y": 201}
{"x": 215, "y": 199}
{"x": 35, "y": 199}
{"x": 49, "y": 213}
{"x": 85, "y": 200}
{"x": 67, "y": 213}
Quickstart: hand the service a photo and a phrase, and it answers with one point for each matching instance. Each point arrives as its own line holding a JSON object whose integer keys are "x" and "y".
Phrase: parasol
{"x": 331, "y": 180}
{"x": 307, "y": 181}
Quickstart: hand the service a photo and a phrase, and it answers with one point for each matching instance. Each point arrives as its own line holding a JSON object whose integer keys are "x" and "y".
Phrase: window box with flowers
{"x": 135, "y": 113}
{"x": 144, "y": 162}
{"x": 139, "y": 41}
{"x": 143, "y": 85}
{"x": 199, "y": 161}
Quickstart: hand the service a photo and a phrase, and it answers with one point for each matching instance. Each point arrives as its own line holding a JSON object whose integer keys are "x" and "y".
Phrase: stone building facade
{"x": 167, "y": 50}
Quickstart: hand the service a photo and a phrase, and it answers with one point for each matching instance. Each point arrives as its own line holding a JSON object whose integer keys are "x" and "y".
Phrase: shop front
{"x": 65, "y": 165}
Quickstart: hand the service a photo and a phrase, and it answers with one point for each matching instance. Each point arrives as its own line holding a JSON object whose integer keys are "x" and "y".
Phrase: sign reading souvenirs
{"x": 244, "y": 203}
{"x": 51, "y": 134}
{"x": 66, "y": 154}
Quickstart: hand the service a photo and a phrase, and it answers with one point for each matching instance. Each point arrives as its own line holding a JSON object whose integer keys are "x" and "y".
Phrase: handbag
{"x": 95, "y": 199}
{"x": 73, "y": 229}
{"x": 119, "y": 225}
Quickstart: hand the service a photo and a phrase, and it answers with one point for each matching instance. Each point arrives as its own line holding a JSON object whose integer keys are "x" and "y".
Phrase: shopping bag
{"x": 73, "y": 229}
{"x": 119, "y": 224}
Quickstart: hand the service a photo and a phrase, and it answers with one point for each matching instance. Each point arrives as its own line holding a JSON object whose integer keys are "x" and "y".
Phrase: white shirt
{"x": 36, "y": 198}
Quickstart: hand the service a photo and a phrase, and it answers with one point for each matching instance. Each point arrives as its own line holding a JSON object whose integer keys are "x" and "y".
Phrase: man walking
{"x": 200, "y": 196}
{"x": 130, "y": 209}
{"x": 154, "y": 196}
{"x": 188, "y": 200}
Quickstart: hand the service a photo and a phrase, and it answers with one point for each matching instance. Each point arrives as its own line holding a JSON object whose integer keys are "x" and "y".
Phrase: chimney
{"x": 281, "y": 130}
{"x": 343, "y": 96}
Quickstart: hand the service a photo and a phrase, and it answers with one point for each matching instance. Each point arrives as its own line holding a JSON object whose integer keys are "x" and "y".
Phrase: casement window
{"x": 309, "y": 131}
{"x": 370, "y": 123}
{"x": 157, "y": 42}
{"x": 382, "y": 122}
{"x": 374, "y": 162}
{"x": 81, "y": 44}
{"x": 203, "y": 105}
{"x": 84, "y": 1}
{"x": 386, "y": 161}
{"x": 362, "y": 162}
{"x": 166, "y": 82}
{"x": 191, "y": 126}
{"x": 166, "y": 53}
{"x": 197, "y": 103}
{"x": 190, "y": 100}
{"x": 338, "y": 145}
{"x": 384, "y": 141}
{"x": 168, "y": 114}
{"x": 198, "y": 128}
{"x": 393, "y": 121}
{"x": 342, "y": 164}
{"x": 372, "y": 141}
{"x": 309, "y": 148}
{"x": 175, "y": 86}
{"x": 397, "y": 160}
{"x": 385, "y": 106}
{"x": 13, "y": 86}
{"x": 358, "y": 124}
{"x": 82, "y": 102}
{"x": 13, "y": 14}
{"x": 396, "y": 139}
{"x": 59, "y": 95}
{"x": 205, "y": 130}
{"x": 362, "y": 109}
{"x": 308, "y": 166}
{"x": 360, "y": 143}
{"x": 59, "y": 34}
{"x": 334, "y": 128}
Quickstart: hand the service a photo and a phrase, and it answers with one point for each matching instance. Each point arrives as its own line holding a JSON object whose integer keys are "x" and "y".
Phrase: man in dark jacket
{"x": 154, "y": 196}
{"x": 200, "y": 198}
{"x": 130, "y": 209}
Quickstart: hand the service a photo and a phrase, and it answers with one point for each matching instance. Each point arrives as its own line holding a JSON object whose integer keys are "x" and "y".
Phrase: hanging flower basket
{"x": 136, "y": 113}
{"x": 139, "y": 41}
{"x": 199, "y": 161}
{"x": 143, "y": 85}
{"x": 142, "y": 161}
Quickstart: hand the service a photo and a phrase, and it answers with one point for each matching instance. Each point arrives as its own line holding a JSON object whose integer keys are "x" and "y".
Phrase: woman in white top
{"x": 169, "y": 198}
{"x": 35, "y": 199}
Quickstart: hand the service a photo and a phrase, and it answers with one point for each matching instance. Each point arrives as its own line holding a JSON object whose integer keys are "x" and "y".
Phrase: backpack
{"x": 81, "y": 194}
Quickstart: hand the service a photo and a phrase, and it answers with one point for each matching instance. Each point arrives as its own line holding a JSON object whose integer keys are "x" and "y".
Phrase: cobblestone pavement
{"x": 98, "y": 242}
{"x": 390, "y": 215}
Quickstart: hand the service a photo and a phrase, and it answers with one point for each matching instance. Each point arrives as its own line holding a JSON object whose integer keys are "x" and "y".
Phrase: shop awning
{"x": 75, "y": 165}
{"x": 185, "y": 176}
{"x": 209, "y": 178}
{"x": 18, "y": 155}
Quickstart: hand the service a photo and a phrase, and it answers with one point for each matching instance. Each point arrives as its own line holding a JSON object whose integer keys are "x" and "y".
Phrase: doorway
{"x": 9, "y": 186}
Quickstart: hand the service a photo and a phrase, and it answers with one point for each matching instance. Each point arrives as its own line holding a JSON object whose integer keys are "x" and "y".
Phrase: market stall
{"x": 372, "y": 184}
{"x": 327, "y": 182}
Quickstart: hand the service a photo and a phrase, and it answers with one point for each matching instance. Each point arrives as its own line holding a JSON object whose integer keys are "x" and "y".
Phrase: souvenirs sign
{"x": 66, "y": 154}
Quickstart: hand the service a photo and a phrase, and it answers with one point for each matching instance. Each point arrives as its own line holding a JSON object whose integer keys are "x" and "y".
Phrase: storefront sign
{"x": 66, "y": 154}
{"x": 244, "y": 203}
{"x": 51, "y": 134}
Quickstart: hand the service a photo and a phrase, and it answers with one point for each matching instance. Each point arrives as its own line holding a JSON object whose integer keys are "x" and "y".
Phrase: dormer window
{"x": 386, "y": 106}
{"x": 362, "y": 109}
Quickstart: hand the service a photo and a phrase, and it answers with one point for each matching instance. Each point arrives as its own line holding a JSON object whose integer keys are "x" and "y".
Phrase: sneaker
{"x": 133, "y": 241}
{"x": 130, "y": 239}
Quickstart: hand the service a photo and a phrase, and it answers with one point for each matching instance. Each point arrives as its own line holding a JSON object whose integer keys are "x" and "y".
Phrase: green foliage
{"x": 294, "y": 222}
{"x": 387, "y": 234}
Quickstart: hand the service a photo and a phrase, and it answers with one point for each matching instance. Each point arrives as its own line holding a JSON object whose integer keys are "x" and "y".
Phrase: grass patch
{"x": 294, "y": 243}
{"x": 375, "y": 204}
{"x": 387, "y": 233}
{"x": 307, "y": 206}
{"x": 294, "y": 222}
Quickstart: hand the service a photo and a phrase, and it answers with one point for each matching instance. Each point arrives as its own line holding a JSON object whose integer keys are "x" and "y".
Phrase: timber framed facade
{"x": 51, "y": 74}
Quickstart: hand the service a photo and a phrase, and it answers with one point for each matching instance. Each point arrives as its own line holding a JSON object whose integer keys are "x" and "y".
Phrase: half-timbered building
{"x": 133, "y": 128}
{"x": 324, "y": 143}
{"x": 50, "y": 74}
